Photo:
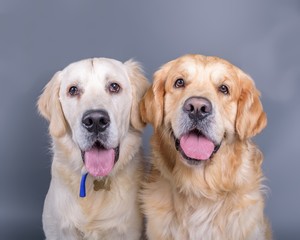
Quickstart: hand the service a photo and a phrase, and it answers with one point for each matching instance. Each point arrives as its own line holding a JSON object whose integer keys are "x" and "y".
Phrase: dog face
{"x": 200, "y": 103}
{"x": 94, "y": 102}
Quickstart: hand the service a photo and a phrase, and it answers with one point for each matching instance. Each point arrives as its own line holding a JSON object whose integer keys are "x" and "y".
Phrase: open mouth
{"x": 98, "y": 160}
{"x": 195, "y": 147}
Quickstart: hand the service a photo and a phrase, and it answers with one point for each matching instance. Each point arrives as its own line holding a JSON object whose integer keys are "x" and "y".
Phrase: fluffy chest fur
{"x": 178, "y": 216}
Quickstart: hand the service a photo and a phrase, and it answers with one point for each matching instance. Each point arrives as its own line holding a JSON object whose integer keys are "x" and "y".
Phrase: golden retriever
{"x": 94, "y": 122}
{"x": 206, "y": 178}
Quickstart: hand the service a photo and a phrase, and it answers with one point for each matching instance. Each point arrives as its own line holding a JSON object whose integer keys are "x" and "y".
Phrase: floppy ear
{"x": 251, "y": 118}
{"x": 139, "y": 85}
{"x": 152, "y": 104}
{"x": 50, "y": 108}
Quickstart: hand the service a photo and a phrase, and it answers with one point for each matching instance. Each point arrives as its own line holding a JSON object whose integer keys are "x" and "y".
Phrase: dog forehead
{"x": 217, "y": 71}
{"x": 95, "y": 68}
{"x": 214, "y": 72}
{"x": 111, "y": 67}
{"x": 203, "y": 68}
{"x": 186, "y": 67}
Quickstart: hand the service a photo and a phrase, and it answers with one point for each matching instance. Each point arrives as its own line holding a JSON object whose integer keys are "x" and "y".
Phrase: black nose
{"x": 197, "y": 107}
{"x": 95, "y": 120}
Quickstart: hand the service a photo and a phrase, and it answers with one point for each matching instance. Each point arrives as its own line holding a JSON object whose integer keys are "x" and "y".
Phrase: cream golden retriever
{"x": 206, "y": 179}
{"x": 94, "y": 122}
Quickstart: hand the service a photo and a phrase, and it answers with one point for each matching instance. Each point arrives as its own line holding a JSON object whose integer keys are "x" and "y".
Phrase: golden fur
{"x": 220, "y": 198}
{"x": 103, "y": 214}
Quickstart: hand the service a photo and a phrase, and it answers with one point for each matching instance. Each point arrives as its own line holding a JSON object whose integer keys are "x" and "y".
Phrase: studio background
{"x": 38, "y": 38}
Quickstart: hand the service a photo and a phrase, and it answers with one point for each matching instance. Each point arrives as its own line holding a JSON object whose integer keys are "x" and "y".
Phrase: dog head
{"x": 95, "y": 103}
{"x": 199, "y": 103}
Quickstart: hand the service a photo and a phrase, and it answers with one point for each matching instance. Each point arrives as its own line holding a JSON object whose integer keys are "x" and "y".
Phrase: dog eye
{"x": 179, "y": 83}
{"x": 224, "y": 89}
{"x": 73, "y": 91}
{"x": 114, "y": 88}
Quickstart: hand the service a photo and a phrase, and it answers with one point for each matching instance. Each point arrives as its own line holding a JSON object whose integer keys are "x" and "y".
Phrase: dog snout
{"x": 197, "y": 108}
{"x": 96, "y": 121}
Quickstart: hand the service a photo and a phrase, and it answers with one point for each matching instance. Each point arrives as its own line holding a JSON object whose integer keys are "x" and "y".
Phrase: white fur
{"x": 102, "y": 214}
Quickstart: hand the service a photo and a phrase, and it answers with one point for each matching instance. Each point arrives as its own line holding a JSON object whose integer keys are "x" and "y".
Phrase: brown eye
{"x": 73, "y": 91}
{"x": 114, "y": 88}
{"x": 179, "y": 83}
{"x": 224, "y": 89}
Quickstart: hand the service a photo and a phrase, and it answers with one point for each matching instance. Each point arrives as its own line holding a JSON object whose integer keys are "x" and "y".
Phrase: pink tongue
{"x": 99, "y": 162}
{"x": 196, "y": 147}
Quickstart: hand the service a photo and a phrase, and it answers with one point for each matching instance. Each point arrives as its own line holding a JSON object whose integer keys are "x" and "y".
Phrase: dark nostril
{"x": 190, "y": 108}
{"x": 103, "y": 121}
{"x": 205, "y": 109}
{"x": 88, "y": 122}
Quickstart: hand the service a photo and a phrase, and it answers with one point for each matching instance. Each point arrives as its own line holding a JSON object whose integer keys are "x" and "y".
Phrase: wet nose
{"x": 197, "y": 108}
{"x": 95, "y": 121}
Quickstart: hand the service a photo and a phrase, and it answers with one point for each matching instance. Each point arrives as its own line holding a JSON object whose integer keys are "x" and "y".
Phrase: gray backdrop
{"x": 38, "y": 38}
